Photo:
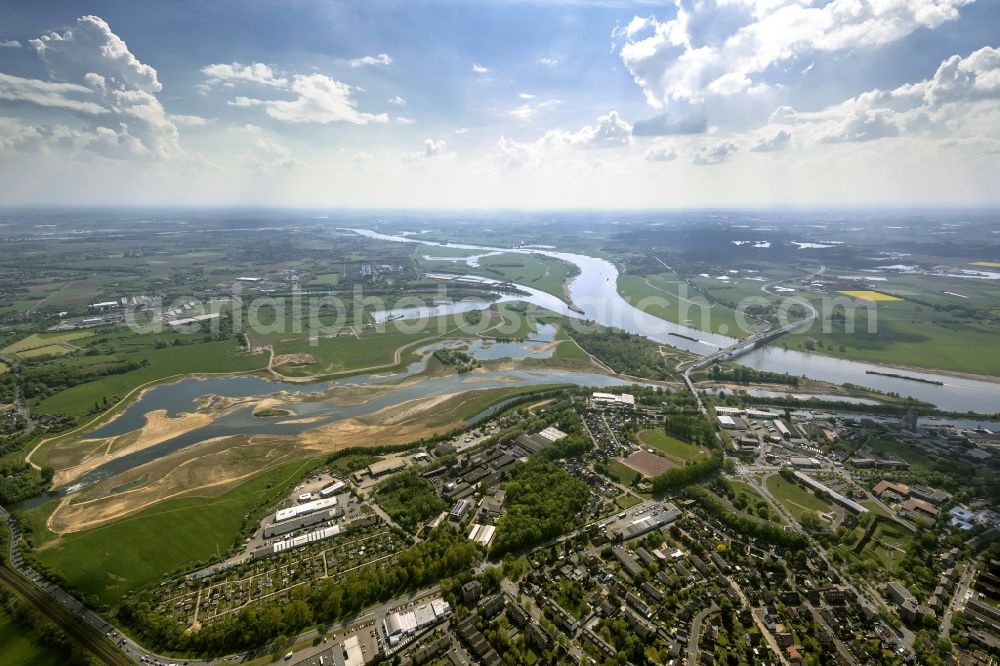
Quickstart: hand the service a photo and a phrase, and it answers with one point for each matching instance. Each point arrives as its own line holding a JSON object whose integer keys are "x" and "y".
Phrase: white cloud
{"x": 367, "y": 61}
{"x": 479, "y": 69}
{"x": 403, "y": 120}
{"x": 526, "y": 112}
{"x": 397, "y": 101}
{"x": 49, "y": 93}
{"x": 953, "y": 104}
{"x": 517, "y": 154}
{"x": 526, "y": 96}
{"x": 107, "y": 94}
{"x": 270, "y": 156}
{"x": 548, "y": 62}
{"x": 91, "y": 47}
{"x": 780, "y": 141}
{"x": 235, "y": 72}
{"x": 245, "y": 101}
{"x": 9, "y": 44}
{"x": 609, "y": 131}
{"x": 361, "y": 158}
{"x": 716, "y": 154}
{"x": 189, "y": 120}
{"x": 866, "y": 125}
{"x": 693, "y": 54}
{"x": 661, "y": 152}
{"x": 434, "y": 149}
{"x": 319, "y": 99}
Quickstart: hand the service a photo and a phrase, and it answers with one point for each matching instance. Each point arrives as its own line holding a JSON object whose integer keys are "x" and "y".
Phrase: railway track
{"x": 83, "y": 633}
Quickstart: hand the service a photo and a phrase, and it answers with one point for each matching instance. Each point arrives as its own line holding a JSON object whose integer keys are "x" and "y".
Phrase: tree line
{"x": 743, "y": 524}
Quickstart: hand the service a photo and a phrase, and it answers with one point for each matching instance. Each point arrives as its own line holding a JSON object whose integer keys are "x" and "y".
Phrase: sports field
{"x": 673, "y": 448}
{"x": 647, "y": 464}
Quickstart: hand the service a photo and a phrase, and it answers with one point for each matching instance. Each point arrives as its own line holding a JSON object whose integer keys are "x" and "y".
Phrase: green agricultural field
{"x": 109, "y": 561}
{"x": 169, "y": 361}
{"x": 906, "y": 333}
{"x": 47, "y": 350}
{"x": 326, "y": 279}
{"x": 531, "y": 270}
{"x": 794, "y": 497}
{"x": 18, "y": 648}
{"x": 56, "y": 342}
{"x": 661, "y": 296}
{"x": 671, "y": 447}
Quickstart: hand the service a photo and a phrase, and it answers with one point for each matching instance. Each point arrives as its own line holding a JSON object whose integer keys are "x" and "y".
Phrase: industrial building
{"x": 291, "y": 525}
{"x": 727, "y": 422}
{"x": 624, "y": 400}
{"x": 332, "y": 489}
{"x": 458, "y": 511}
{"x": 397, "y": 624}
{"x": 296, "y": 542}
{"x": 848, "y": 504}
{"x": 482, "y": 534}
{"x": 383, "y": 467}
{"x": 281, "y": 515}
{"x": 645, "y": 524}
{"x": 532, "y": 444}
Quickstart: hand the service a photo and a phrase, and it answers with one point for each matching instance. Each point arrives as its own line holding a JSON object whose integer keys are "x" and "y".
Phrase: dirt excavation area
{"x": 74, "y": 459}
{"x": 211, "y": 468}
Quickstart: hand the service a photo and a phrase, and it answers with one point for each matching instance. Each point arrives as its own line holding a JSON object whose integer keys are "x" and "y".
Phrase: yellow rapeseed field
{"x": 869, "y": 295}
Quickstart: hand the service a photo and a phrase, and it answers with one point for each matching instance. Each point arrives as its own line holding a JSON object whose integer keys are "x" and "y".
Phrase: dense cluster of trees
{"x": 18, "y": 482}
{"x": 41, "y": 381}
{"x": 43, "y": 632}
{"x": 443, "y": 554}
{"x": 409, "y": 499}
{"x": 693, "y": 429}
{"x": 624, "y": 352}
{"x": 665, "y": 399}
{"x": 8, "y": 388}
{"x": 543, "y": 501}
{"x": 463, "y": 361}
{"x": 742, "y": 375}
{"x": 743, "y": 524}
{"x": 679, "y": 477}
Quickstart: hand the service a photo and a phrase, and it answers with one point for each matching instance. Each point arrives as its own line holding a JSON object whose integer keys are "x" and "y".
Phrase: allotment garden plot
{"x": 213, "y": 594}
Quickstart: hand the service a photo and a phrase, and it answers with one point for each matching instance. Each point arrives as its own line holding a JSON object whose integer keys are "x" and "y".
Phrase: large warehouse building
{"x": 281, "y": 515}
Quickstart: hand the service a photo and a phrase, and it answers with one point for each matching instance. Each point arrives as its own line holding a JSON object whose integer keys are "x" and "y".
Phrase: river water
{"x": 595, "y": 291}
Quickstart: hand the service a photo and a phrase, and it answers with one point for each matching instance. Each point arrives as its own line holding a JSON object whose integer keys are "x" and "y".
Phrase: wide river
{"x": 595, "y": 291}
